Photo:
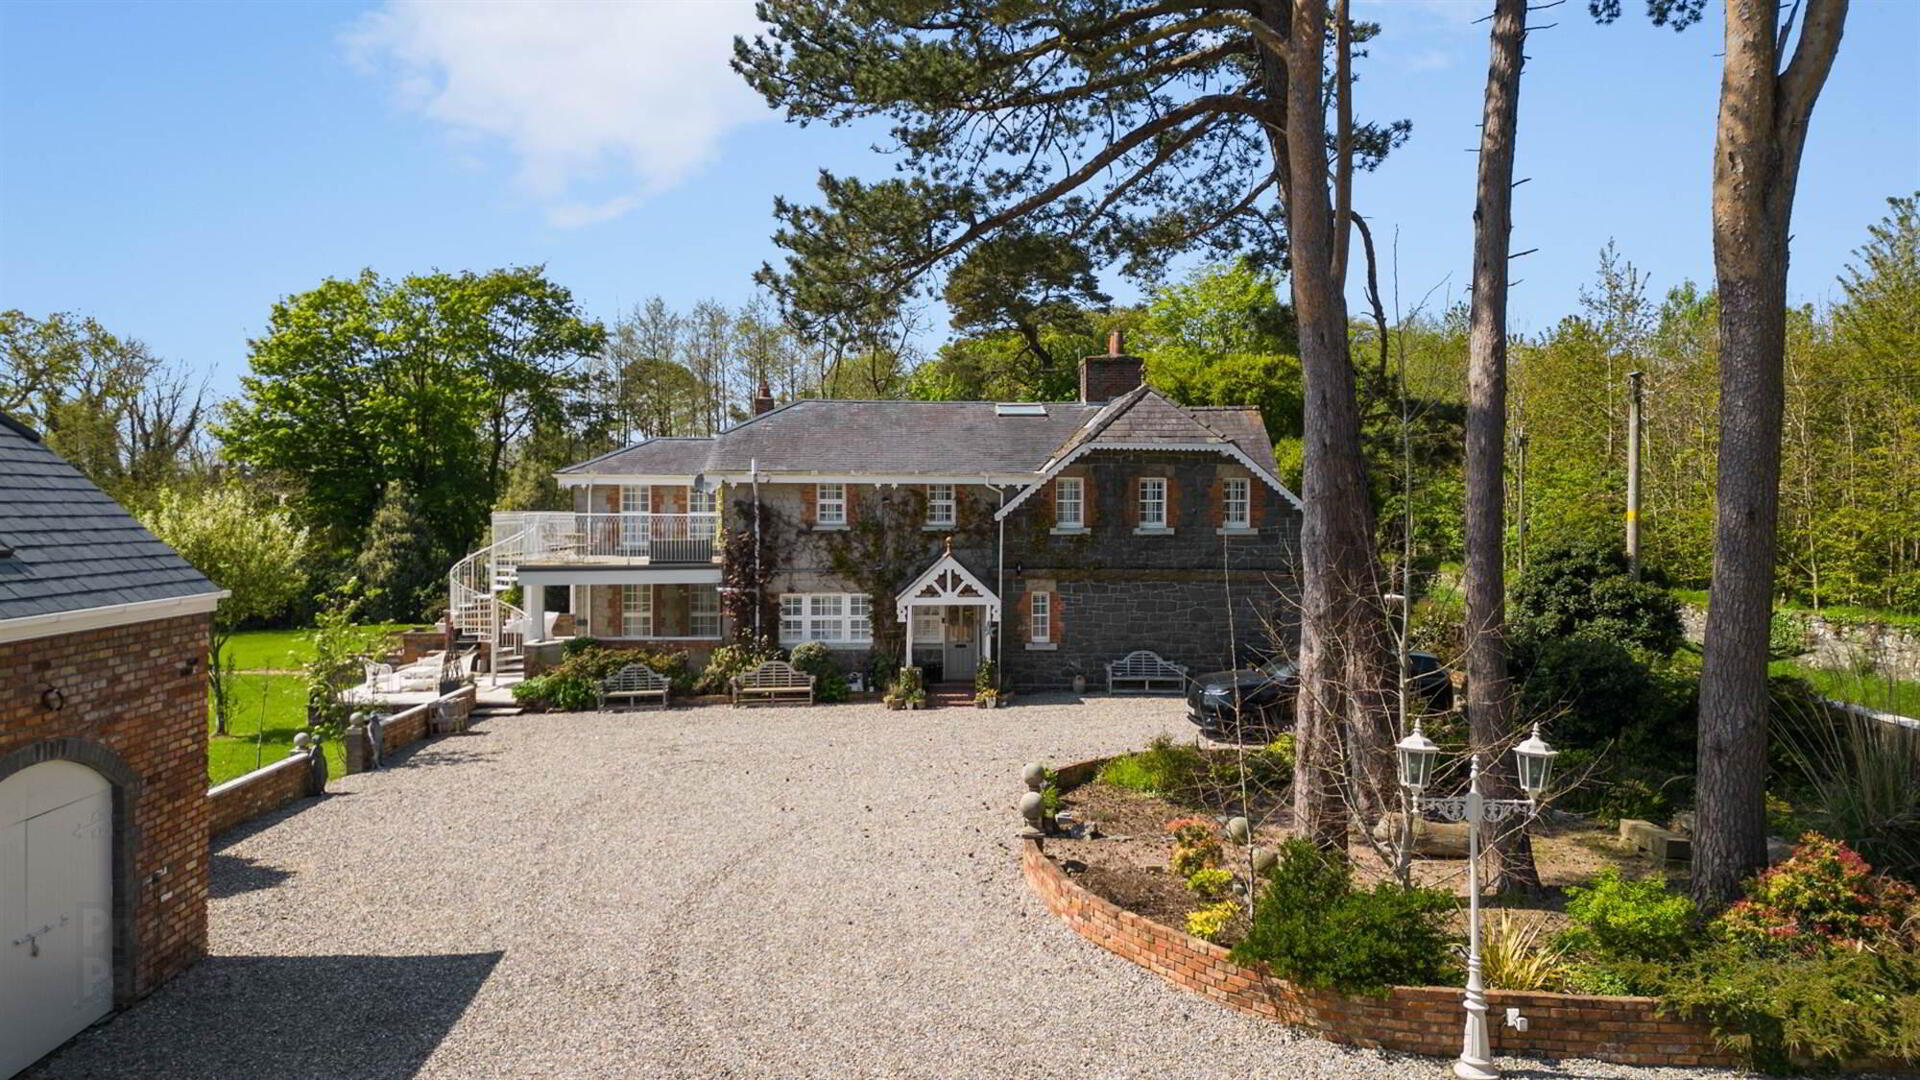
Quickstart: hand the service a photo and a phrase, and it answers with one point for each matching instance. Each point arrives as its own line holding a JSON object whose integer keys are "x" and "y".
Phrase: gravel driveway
{"x": 708, "y": 892}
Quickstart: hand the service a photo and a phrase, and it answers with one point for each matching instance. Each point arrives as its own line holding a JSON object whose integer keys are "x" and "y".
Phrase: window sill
{"x": 1042, "y": 646}
{"x": 938, "y": 526}
{"x": 1069, "y": 530}
{"x": 1236, "y": 530}
{"x": 817, "y": 527}
{"x": 1153, "y": 530}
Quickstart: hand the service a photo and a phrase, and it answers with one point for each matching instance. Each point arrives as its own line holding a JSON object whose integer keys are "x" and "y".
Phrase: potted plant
{"x": 986, "y": 685}
{"x": 909, "y": 690}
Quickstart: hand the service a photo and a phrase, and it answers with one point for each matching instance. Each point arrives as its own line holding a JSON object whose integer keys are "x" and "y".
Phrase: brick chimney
{"x": 1103, "y": 378}
{"x": 763, "y": 401}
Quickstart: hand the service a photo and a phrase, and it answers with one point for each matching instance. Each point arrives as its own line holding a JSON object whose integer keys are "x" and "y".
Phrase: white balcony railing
{"x": 559, "y": 536}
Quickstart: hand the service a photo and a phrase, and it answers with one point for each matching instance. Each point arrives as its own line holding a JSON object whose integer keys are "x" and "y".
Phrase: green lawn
{"x": 1839, "y": 613}
{"x": 277, "y": 703}
{"x": 1873, "y": 691}
{"x": 281, "y": 650}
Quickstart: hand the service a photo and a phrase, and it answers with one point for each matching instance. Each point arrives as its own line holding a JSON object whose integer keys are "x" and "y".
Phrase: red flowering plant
{"x": 1824, "y": 896}
{"x": 1197, "y": 845}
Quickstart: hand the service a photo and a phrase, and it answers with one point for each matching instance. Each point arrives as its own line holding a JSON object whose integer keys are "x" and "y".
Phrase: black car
{"x": 1257, "y": 702}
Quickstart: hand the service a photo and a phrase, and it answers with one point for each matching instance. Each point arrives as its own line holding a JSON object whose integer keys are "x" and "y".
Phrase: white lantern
{"x": 1417, "y": 755}
{"x": 1535, "y": 760}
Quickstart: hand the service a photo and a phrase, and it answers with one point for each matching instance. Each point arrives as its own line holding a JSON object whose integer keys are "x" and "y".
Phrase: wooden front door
{"x": 960, "y": 655}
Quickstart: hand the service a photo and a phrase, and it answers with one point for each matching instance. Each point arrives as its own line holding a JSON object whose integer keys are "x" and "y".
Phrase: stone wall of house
{"x": 1116, "y": 589}
{"x": 130, "y": 702}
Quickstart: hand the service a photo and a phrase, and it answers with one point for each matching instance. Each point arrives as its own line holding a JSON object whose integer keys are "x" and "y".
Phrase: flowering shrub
{"x": 1209, "y": 922}
{"x": 1197, "y": 845}
{"x": 1824, "y": 896}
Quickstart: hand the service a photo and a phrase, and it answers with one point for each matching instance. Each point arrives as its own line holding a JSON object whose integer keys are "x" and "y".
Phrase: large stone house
{"x": 103, "y": 753}
{"x": 1053, "y": 537}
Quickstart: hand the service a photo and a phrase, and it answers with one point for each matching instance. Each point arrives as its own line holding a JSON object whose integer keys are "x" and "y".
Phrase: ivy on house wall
{"x": 885, "y": 546}
{"x": 746, "y": 576}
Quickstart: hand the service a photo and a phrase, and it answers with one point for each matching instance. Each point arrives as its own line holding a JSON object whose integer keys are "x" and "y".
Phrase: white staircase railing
{"x": 474, "y": 586}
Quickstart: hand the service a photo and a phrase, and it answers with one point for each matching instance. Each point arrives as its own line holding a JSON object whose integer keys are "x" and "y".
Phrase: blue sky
{"x": 174, "y": 168}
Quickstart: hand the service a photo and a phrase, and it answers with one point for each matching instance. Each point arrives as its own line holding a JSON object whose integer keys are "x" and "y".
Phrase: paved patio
{"x": 826, "y": 892}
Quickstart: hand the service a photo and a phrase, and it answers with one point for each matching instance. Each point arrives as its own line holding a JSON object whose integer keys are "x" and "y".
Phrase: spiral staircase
{"x": 475, "y": 588}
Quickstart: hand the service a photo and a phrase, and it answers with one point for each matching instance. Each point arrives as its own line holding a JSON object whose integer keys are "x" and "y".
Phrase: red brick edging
{"x": 1415, "y": 1019}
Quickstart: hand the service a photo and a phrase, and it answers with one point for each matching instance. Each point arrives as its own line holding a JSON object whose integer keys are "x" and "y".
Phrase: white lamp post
{"x": 1534, "y": 761}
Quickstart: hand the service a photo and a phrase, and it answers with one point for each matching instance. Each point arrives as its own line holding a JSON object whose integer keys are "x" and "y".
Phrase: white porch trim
{"x": 946, "y": 582}
{"x": 588, "y": 574}
{"x": 1229, "y": 449}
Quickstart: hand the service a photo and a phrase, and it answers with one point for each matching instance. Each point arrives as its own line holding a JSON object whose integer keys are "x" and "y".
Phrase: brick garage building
{"x": 103, "y": 753}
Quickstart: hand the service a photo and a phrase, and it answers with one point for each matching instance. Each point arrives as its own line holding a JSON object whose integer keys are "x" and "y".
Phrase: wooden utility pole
{"x": 1489, "y": 690}
{"x": 1633, "y": 473}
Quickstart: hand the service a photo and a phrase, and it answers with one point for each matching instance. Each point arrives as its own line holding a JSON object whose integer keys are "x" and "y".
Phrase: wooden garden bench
{"x": 1141, "y": 669}
{"x": 772, "y": 681}
{"x": 633, "y": 682}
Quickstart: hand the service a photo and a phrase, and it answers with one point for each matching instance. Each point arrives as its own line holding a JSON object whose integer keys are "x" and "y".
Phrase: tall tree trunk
{"x": 1756, "y": 164}
{"x": 1342, "y": 705}
{"x": 1489, "y": 691}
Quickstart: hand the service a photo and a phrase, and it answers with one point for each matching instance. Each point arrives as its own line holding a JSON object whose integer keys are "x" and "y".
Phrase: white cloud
{"x": 600, "y": 103}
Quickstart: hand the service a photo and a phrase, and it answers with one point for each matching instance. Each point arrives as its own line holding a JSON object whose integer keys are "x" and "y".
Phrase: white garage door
{"x": 56, "y": 907}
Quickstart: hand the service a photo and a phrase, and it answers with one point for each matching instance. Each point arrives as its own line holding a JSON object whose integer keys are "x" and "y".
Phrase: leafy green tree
{"x": 243, "y": 542}
{"x": 401, "y": 570}
{"x": 1224, "y": 337}
{"x": 126, "y": 419}
{"x": 1585, "y": 590}
{"x": 430, "y": 381}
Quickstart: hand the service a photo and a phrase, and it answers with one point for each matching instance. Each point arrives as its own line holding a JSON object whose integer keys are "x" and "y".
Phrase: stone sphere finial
{"x": 1034, "y": 775}
{"x": 1030, "y": 809}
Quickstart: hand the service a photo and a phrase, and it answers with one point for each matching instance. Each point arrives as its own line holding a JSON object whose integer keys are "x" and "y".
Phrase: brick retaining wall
{"x": 261, "y": 791}
{"x": 1421, "y": 1020}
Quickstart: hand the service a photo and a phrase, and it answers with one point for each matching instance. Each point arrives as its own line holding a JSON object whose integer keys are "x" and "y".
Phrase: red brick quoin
{"x": 1415, "y": 1019}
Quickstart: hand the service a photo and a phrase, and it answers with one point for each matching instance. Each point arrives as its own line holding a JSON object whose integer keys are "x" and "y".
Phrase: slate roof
{"x": 939, "y": 438}
{"x": 72, "y": 547}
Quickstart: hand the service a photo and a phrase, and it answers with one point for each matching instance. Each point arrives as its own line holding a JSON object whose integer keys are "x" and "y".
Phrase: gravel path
{"x": 827, "y": 892}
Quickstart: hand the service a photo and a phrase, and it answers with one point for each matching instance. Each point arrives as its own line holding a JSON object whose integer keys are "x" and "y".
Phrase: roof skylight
{"x": 1019, "y": 408}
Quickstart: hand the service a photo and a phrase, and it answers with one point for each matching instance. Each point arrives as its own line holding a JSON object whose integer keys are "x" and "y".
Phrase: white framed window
{"x": 1153, "y": 502}
{"x": 702, "y": 502}
{"x": 929, "y": 625}
{"x": 1040, "y": 617}
{"x": 941, "y": 504}
{"x": 793, "y": 618}
{"x": 830, "y": 504}
{"x": 636, "y": 611}
{"x": 835, "y": 618}
{"x": 636, "y": 521}
{"x": 859, "y": 617}
{"x": 703, "y": 611}
{"x": 1236, "y": 496}
{"x": 1069, "y": 503}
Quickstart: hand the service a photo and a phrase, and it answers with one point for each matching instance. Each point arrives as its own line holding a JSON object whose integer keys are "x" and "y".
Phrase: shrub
{"x": 815, "y": 659}
{"x": 573, "y": 684}
{"x": 1163, "y": 768}
{"x": 909, "y": 686}
{"x": 1312, "y": 927}
{"x": 1438, "y": 625}
{"x": 1516, "y": 954}
{"x": 1788, "y": 635}
{"x": 1614, "y": 918}
{"x": 1854, "y": 777}
{"x": 1210, "y": 922}
{"x": 1197, "y": 845}
{"x": 1823, "y": 897}
{"x": 574, "y": 646}
{"x": 1830, "y": 1008}
{"x": 1210, "y": 883}
{"x": 1584, "y": 589}
{"x": 730, "y": 660}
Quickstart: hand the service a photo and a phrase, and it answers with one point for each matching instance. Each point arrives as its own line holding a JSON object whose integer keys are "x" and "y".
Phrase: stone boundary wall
{"x": 261, "y": 791}
{"x": 1420, "y": 1020}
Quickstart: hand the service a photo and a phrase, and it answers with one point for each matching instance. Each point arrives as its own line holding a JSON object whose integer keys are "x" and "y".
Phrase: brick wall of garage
{"x": 130, "y": 698}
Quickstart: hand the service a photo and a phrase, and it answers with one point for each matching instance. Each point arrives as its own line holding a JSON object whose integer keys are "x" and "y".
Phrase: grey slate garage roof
{"x": 71, "y": 547}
